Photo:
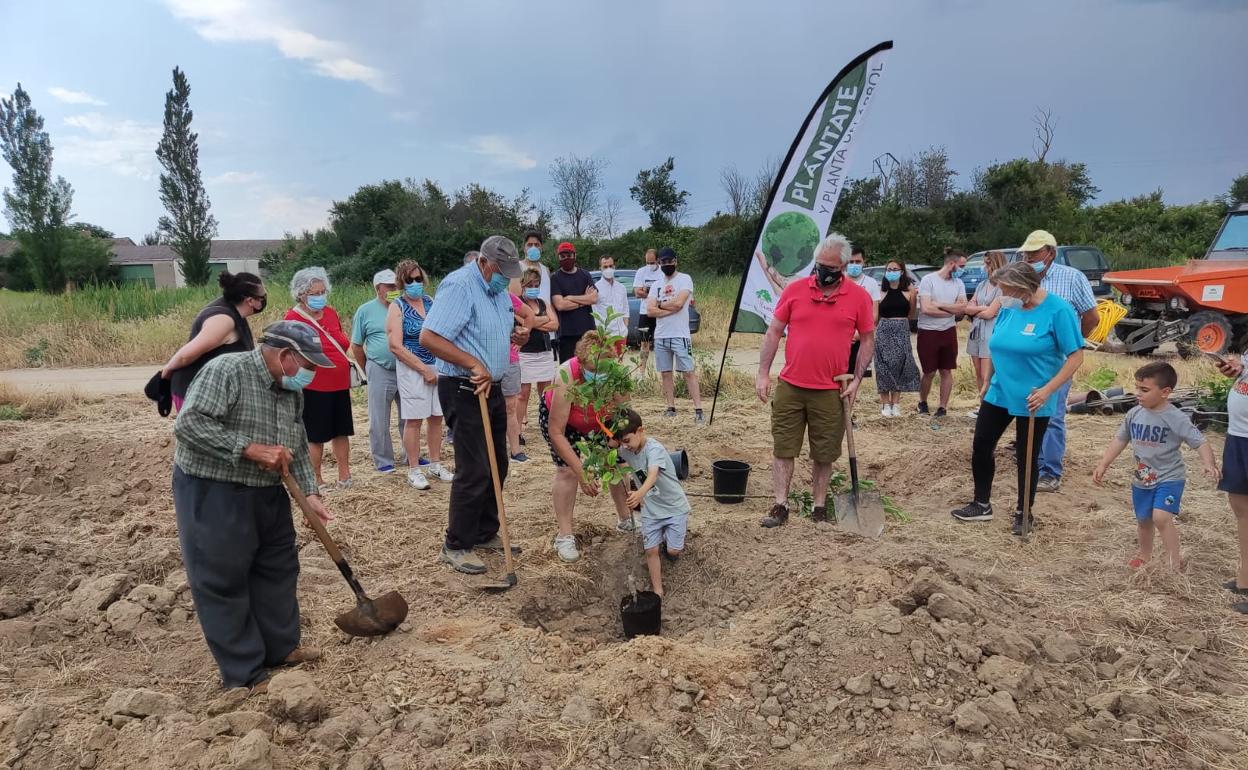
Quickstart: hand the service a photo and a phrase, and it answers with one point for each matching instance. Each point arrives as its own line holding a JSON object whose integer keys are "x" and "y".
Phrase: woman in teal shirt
{"x": 1036, "y": 347}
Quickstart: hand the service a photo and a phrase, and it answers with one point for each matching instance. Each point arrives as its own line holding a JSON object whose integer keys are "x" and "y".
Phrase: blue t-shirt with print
{"x": 1028, "y": 349}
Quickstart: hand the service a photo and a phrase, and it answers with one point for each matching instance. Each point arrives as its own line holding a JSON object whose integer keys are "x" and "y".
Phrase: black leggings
{"x": 989, "y": 427}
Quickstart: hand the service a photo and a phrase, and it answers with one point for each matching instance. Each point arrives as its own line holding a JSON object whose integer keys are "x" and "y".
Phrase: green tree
{"x": 189, "y": 227}
{"x": 37, "y": 207}
{"x": 95, "y": 231}
{"x": 86, "y": 258}
{"x": 658, "y": 195}
{"x": 1239, "y": 190}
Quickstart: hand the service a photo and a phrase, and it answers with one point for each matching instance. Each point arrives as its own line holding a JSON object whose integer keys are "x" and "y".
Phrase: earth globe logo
{"x": 789, "y": 242}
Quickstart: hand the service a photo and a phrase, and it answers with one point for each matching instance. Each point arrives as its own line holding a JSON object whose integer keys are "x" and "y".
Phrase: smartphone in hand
{"x": 1217, "y": 359}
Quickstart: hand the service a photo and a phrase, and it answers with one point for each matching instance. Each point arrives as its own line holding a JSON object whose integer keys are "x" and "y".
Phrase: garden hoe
{"x": 857, "y": 511}
{"x": 371, "y": 617}
{"x": 511, "y": 579}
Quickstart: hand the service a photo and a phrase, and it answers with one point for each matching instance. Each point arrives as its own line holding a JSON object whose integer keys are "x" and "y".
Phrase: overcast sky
{"x": 298, "y": 102}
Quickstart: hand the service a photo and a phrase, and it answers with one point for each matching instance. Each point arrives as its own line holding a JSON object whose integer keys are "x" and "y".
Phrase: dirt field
{"x": 940, "y": 645}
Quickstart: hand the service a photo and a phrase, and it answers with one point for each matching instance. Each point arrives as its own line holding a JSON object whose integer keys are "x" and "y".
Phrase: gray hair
{"x": 1019, "y": 276}
{"x": 835, "y": 241}
{"x": 471, "y": 257}
{"x": 302, "y": 282}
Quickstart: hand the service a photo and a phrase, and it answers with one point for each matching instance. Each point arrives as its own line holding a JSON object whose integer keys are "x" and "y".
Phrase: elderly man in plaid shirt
{"x": 239, "y": 431}
{"x": 1071, "y": 285}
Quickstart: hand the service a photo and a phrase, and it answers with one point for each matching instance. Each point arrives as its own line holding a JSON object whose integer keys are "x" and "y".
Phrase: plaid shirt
{"x": 234, "y": 401}
{"x": 1071, "y": 285}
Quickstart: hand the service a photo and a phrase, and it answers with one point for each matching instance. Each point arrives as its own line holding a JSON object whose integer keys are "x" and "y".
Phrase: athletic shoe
{"x": 973, "y": 511}
{"x": 496, "y": 544}
{"x": 1048, "y": 484}
{"x": 386, "y": 469}
{"x": 894, "y": 410}
{"x": 779, "y": 514}
{"x": 520, "y": 457}
{"x": 417, "y": 479}
{"x": 463, "y": 561}
{"x": 346, "y": 483}
{"x": 1234, "y": 588}
{"x": 565, "y": 546}
{"x": 439, "y": 472}
{"x": 819, "y": 513}
{"x": 923, "y": 407}
{"x": 698, "y": 419}
{"x": 973, "y": 414}
{"x": 423, "y": 461}
{"x": 670, "y": 412}
{"x": 1017, "y": 529}
{"x": 626, "y": 525}
{"x": 886, "y": 411}
{"x": 1240, "y": 607}
{"x": 940, "y": 412}
{"x": 450, "y": 437}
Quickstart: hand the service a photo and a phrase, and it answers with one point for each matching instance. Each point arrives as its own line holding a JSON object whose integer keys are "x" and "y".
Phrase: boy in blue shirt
{"x": 1156, "y": 431}
{"x": 664, "y": 507}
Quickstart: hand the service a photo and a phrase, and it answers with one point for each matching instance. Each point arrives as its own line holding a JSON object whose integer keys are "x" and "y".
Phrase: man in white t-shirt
{"x": 853, "y": 268}
{"x": 646, "y": 277}
{"x": 673, "y": 343}
{"x": 533, "y": 259}
{"x": 613, "y": 295}
{"x": 942, "y": 298}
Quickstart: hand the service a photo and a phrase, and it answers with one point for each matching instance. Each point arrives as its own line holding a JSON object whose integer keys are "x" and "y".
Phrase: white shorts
{"x": 417, "y": 399}
{"x": 537, "y": 367}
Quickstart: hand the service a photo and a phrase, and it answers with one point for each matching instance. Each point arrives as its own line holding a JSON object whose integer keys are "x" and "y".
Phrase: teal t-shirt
{"x": 1028, "y": 349}
{"x": 369, "y": 330}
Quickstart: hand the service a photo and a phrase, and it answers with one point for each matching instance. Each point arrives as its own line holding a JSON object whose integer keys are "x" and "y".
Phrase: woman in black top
{"x": 537, "y": 361}
{"x": 220, "y": 328}
{"x": 895, "y": 369}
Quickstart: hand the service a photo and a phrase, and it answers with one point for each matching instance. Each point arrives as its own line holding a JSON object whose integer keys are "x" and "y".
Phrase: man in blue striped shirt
{"x": 470, "y": 330}
{"x": 1071, "y": 285}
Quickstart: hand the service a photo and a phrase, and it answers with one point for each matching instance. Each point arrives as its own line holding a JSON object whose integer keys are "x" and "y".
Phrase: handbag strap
{"x": 331, "y": 339}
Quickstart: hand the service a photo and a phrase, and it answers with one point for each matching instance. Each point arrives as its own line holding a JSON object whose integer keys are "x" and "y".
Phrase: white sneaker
{"x": 886, "y": 411}
{"x": 565, "y": 546}
{"x": 439, "y": 472}
{"x": 417, "y": 479}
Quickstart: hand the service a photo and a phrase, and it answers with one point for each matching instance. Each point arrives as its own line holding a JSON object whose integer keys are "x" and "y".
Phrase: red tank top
{"x": 582, "y": 419}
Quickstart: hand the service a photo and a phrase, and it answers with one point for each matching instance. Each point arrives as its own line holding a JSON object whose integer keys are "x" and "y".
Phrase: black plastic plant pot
{"x": 728, "y": 480}
{"x": 680, "y": 460}
{"x": 643, "y": 616}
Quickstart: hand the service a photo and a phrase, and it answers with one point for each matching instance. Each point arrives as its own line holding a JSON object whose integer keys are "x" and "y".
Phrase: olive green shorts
{"x": 794, "y": 410}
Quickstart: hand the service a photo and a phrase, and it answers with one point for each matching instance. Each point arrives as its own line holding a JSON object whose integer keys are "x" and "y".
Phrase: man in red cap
{"x": 573, "y": 294}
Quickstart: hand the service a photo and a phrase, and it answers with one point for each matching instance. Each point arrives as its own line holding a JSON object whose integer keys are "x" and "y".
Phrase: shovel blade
{"x": 495, "y": 588}
{"x": 861, "y": 514}
{"x": 374, "y": 617}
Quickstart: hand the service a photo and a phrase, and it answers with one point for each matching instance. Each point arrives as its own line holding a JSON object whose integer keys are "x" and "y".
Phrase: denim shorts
{"x": 673, "y": 350}
{"x": 1166, "y": 496}
{"x": 669, "y": 529}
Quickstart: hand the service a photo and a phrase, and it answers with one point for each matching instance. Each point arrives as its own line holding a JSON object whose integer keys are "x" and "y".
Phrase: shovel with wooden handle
{"x": 858, "y": 511}
{"x": 1031, "y": 442}
{"x": 511, "y": 579}
{"x": 371, "y": 617}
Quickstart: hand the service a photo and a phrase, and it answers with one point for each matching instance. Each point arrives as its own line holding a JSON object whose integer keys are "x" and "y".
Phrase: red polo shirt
{"x": 821, "y": 330}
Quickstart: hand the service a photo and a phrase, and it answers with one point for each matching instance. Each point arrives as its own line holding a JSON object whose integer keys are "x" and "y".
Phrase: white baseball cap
{"x": 384, "y": 276}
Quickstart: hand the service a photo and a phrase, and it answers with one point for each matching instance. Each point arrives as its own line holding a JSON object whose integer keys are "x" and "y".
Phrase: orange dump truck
{"x": 1202, "y": 306}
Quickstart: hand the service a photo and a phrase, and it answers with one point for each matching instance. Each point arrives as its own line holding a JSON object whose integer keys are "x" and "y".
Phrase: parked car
{"x": 634, "y": 305}
{"x": 1086, "y": 259}
{"x": 915, "y": 272}
{"x": 975, "y": 275}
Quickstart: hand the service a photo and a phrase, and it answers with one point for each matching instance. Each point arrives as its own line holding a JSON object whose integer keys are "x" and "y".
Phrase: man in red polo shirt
{"x": 821, "y": 314}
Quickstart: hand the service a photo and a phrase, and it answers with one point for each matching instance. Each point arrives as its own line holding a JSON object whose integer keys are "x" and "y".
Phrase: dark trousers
{"x": 567, "y": 346}
{"x": 473, "y": 515}
{"x": 238, "y": 546}
{"x": 989, "y": 427}
{"x": 853, "y": 360}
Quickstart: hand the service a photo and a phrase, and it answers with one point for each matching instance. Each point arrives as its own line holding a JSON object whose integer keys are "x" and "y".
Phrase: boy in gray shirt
{"x": 664, "y": 507}
{"x": 1156, "y": 431}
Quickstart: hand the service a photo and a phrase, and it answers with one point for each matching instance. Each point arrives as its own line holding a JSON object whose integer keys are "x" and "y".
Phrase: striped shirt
{"x": 412, "y": 324}
{"x": 234, "y": 401}
{"x": 1071, "y": 285}
{"x": 473, "y": 320}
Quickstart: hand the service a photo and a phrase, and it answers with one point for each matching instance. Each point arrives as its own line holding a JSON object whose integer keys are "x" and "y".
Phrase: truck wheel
{"x": 1208, "y": 332}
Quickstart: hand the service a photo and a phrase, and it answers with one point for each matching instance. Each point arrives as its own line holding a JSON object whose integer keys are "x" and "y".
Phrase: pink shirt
{"x": 821, "y": 330}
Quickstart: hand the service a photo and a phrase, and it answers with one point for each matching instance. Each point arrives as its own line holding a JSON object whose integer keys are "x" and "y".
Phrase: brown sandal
{"x": 302, "y": 655}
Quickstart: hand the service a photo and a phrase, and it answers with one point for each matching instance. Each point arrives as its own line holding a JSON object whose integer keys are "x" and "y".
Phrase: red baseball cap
{"x": 565, "y": 246}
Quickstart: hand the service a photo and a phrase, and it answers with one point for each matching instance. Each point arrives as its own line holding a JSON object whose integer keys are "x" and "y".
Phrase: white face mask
{"x": 608, "y": 273}
{"x": 1010, "y": 303}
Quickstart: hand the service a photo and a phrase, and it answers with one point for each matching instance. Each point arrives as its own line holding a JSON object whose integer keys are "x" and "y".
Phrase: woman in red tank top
{"x": 563, "y": 424}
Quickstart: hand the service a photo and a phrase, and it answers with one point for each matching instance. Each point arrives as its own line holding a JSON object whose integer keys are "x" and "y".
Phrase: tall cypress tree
{"x": 189, "y": 228}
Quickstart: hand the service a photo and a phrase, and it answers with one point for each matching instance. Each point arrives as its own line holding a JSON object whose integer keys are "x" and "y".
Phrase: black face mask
{"x": 264, "y": 302}
{"x": 668, "y": 269}
{"x": 827, "y": 276}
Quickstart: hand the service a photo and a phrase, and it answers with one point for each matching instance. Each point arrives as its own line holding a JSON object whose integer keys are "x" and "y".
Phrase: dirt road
{"x": 108, "y": 381}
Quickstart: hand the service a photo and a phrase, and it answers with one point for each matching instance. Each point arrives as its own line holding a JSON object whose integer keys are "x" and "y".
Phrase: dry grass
{"x": 18, "y": 404}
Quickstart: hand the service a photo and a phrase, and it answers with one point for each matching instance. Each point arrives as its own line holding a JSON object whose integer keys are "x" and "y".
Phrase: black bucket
{"x": 728, "y": 480}
{"x": 642, "y": 617}
{"x": 680, "y": 460}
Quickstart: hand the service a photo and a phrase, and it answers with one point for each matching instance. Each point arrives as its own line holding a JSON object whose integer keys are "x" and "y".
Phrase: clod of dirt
{"x": 337, "y": 733}
{"x": 1222, "y": 740}
{"x": 943, "y": 606}
{"x": 95, "y": 595}
{"x": 294, "y": 696}
{"x": 1004, "y": 641}
{"x": 1061, "y": 647}
{"x": 1142, "y": 705}
{"x": 7, "y": 456}
{"x": 859, "y": 685}
{"x": 1002, "y": 673}
{"x": 11, "y": 606}
{"x": 252, "y": 752}
{"x": 140, "y": 704}
{"x": 17, "y": 633}
{"x": 34, "y": 720}
{"x": 997, "y": 709}
{"x": 228, "y": 701}
{"x": 125, "y": 617}
{"x": 1179, "y": 637}
{"x": 581, "y": 710}
{"x": 154, "y": 598}
{"x": 495, "y": 695}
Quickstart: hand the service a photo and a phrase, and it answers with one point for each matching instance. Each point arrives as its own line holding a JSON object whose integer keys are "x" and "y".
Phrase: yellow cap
{"x": 1038, "y": 240}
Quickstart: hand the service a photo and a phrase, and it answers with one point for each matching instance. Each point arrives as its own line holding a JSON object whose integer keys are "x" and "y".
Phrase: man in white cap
{"x": 1039, "y": 250}
{"x": 372, "y": 353}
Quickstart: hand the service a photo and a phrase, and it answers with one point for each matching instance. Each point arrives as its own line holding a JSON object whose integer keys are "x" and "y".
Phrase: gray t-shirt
{"x": 667, "y": 498}
{"x": 985, "y": 295}
{"x": 1156, "y": 438}
{"x": 940, "y": 291}
{"x": 1237, "y": 403}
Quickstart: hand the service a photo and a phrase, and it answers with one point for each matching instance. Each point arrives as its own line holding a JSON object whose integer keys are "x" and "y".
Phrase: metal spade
{"x": 857, "y": 511}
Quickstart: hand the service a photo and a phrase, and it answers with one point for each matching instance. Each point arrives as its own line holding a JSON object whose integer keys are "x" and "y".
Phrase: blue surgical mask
{"x": 589, "y": 376}
{"x": 415, "y": 290}
{"x": 498, "y": 283}
{"x": 317, "y": 301}
{"x": 1038, "y": 266}
{"x": 1010, "y": 303}
{"x": 958, "y": 272}
{"x": 533, "y": 253}
{"x": 299, "y": 380}
{"x": 892, "y": 275}
{"x": 533, "y": 292}
{"x": 853, "y": 270}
